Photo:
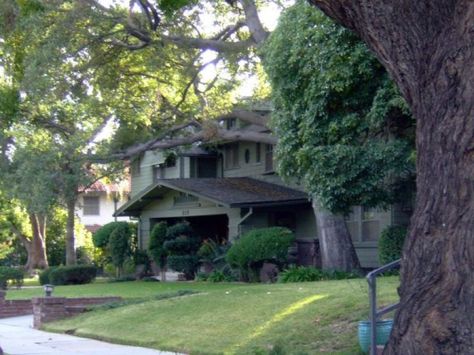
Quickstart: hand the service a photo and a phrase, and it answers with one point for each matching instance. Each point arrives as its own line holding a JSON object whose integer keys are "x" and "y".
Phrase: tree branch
{"x": 211, "y": 44}
{"x": 23, "y": 239}
{"x": 259, "y": 34}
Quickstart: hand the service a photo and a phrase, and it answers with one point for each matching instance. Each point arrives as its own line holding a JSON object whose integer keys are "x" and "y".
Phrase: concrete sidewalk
{"x": 17, "y": 337}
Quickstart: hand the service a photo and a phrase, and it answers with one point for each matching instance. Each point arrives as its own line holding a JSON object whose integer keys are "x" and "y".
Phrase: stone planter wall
{"x": 14, "y": 308}
{"x": 47, "y": 309}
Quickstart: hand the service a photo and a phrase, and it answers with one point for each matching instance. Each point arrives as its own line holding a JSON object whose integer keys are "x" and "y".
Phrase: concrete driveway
{"x": 18, "y": 337}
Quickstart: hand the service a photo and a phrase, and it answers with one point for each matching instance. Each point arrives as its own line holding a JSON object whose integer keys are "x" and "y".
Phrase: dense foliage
{"x": 72, "y": 275}
{"x": 10, "y": 275}
{"x": 119, "y": 245}
{"x": 102, "y": 235}
{"x": 343, "y": 128}
{"x": 155, "y": 247}
{"x": 181, "y": 247}
{"x": 391, "y": 243}
{"x": 254, "y": 248}
{"x": 44, "y": 276}
{"x": 213, "y": 254}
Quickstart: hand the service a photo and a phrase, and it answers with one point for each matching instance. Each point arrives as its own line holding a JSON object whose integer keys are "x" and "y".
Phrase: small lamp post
{"x": 48, "y": 289}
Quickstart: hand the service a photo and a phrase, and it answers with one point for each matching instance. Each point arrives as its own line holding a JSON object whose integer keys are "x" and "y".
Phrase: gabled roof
{"x": 99, "y": 186}
{"x": 228, "y": 192}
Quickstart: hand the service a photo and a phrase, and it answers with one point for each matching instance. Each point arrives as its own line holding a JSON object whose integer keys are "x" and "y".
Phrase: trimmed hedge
{"x": 391, "y": 244}
{"x": 119, "y": 245}
{"x": 186, "y": 264}
{"x": 101, "y": 237}
{"x": 258, "y": 246}
{"x": 72, "y": 275}
{"x": 309, "y": 273}
{"x": 14, "y": 275}
{"x": 181, "y": 246}
{"x": 44, "y": 275}
{"x": 156, "y": 249}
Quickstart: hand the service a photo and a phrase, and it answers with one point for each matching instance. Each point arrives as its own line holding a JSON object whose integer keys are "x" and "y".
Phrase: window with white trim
{"x": 364, "y": 224}
{"x": 91, "y": 205}
{"x": 231, "y": 156}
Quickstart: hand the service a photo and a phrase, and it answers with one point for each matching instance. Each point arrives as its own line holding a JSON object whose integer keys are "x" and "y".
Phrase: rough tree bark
{"x": 427, "y": 46}
{"x": 38, "y": 243}
{"x": 36, "y": 246}
{"x": 70, "y": 237}
{"x": 335, "y": 241}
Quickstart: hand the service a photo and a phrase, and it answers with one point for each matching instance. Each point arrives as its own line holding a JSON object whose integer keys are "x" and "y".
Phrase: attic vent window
{"x": 185, "y": 199}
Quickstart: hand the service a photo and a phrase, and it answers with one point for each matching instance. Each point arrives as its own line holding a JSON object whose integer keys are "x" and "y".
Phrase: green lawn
{"x": 300, "y": 318}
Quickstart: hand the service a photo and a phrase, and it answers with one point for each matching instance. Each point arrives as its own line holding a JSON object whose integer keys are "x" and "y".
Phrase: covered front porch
{"x": 220, "y": 208}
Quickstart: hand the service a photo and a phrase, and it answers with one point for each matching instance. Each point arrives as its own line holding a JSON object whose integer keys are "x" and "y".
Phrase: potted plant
{"x": 384, "y": 327}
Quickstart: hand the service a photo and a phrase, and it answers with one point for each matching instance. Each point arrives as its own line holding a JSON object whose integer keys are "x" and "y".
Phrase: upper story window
{"x": 136, "y": 167}
{"x": 232, "y": 156}
{"x": 364, "y": 224}
{"x": 258, "y": 152}
{"x": 269, "y": 158}
{"x": 91, "y": 206}
{"x": 159, "y": 172}
{"x": 231, "y": 123}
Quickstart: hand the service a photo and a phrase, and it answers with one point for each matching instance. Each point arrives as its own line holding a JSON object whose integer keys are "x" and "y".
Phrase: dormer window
{"x": 136, "y": 166}
{"x": 232, "y": 156}
{"x": 231, "y": 123}
{"x": 269, "y": 158}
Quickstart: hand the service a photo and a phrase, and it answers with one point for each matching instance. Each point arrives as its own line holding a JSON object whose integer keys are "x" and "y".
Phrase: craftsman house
{"x": 229, "y": 189}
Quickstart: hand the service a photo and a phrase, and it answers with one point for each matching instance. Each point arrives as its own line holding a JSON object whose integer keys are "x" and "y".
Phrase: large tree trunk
{"x": 427, "y": 46}
{"x": 38, "y": 258}
{"x": 335, "y": 242}
{"x": 70, "y": 237}
{"x": 27, "y": 243}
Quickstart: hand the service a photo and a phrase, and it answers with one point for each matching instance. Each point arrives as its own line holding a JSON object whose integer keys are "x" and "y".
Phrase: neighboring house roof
{"x": 93, "y": 228}
{"x": 99, "y": 186}
{"x": 229, "y": 192}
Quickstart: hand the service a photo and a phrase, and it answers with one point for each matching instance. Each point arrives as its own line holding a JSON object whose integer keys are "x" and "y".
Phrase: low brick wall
{"x": 14, "y": 308}
{"x": 47, "y": 309}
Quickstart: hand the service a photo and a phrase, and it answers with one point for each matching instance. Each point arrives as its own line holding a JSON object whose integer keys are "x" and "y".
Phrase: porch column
{"x": 234, "y": 218}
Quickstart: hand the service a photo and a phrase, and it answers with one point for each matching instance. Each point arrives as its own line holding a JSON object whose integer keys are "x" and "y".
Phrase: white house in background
{"x": 97, "y": 204}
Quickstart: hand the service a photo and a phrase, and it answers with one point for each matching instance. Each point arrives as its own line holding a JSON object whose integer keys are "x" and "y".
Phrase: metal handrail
{"x": 374, "y": 313}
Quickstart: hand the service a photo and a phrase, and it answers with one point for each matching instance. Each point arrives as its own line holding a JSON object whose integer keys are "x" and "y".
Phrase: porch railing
{"x": 375, "y": 313}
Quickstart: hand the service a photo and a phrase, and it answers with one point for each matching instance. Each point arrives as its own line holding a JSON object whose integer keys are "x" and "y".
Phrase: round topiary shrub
{"x": 391, "y": 244}
{"x": 156, "y": 250}
{"x": 258, "y": 246}
{"x": 181, "y": 246}
{"x": 101, "y": 237}
{"x": 186, "y": 264}
{"x": 119, "y": 246}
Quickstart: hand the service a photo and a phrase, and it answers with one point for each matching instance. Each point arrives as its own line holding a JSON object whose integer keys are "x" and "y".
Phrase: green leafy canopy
{"x": 344, "y": 131}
